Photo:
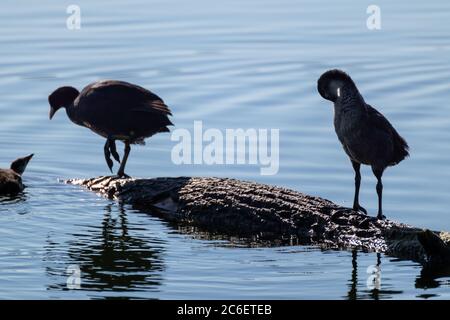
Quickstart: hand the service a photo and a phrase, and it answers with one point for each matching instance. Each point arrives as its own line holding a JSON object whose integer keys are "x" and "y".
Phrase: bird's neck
{"x": 70, "y": 110}
{"x": 349, "y": 111}
{"x": 349, "y": 101}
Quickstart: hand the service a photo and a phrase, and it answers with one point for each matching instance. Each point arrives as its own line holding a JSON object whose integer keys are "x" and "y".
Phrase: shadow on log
{"x": 271, "y": 214}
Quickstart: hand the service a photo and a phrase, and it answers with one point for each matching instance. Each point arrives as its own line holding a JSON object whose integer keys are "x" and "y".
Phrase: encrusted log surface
{"x": 267, "y": 213}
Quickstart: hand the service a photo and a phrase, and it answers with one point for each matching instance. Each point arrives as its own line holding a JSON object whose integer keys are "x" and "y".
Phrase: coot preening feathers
{"x": 116, "y": 110}
{"x": 366, "y": 135}
{"x": 11, "y": 179}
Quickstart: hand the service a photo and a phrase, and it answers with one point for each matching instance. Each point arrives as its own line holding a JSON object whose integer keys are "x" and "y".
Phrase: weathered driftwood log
{"x": 267, "y": 213}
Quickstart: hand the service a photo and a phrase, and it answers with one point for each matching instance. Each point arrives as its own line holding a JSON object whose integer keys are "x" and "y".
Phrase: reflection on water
{"x": 13, "y": 199}
{"x": 14, "y": 203}
{"x": 110, "y": 257}
{"x": 374, "y": 282}
{"x": 433, "y": 277}
{"x": 128, "y": 254}
{"x": 232, "y": 65}
{"x": 352, "y": 293}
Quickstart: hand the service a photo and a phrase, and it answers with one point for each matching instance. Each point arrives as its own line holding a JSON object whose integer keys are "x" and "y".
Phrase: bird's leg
{"x": 121, "y": 172}
{"x": 113, "y": 150}
{"x": 378, "y": 173}
{"x": 108, "y": 155}
{"x": 356, "y": 206}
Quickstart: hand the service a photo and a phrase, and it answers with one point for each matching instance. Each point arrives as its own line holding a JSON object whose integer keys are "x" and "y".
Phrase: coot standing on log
{"x": 366, "y": 135}
{"x": 11, "y": 179}
{"x": 116, "y": 110}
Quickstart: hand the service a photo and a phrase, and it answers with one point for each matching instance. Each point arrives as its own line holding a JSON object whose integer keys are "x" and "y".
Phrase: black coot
{"x": 366, "y": 135}
{"x": 116, "y": 110}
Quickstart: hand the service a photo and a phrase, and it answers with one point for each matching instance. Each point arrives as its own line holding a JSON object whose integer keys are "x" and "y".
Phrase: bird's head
{"x": 19, "y": 165}
{"x": 334, "y": 83}
{"x": 61, "y": 97}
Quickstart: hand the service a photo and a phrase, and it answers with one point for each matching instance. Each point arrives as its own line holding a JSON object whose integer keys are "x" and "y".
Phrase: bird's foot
{"x": 123, "y": 175}
{"x": 380, "y": 216}
{"x": 107, "y": 152}
{"x": 358, "y": 208}
{"x": 109, "y": 162}
{"x": 113, "y": 150}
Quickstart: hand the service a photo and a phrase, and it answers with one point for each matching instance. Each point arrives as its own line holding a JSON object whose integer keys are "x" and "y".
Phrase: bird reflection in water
{"x": 111, "y": 257}
{"x": 433, "y": 276}
{"x": 372, "y": 282}
{"x": 14, "y": 203}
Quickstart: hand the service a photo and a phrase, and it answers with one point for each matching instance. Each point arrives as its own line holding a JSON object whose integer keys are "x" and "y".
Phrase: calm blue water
{"x": 231, "y": 64}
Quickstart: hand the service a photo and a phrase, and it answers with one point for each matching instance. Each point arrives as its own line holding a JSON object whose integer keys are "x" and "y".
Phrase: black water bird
{"x": 116, "y": 110}
{"x": 366, "y": 135}
{"x": 11, "y": 179}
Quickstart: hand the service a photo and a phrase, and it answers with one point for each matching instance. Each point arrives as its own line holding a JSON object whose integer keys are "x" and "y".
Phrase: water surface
{"x": 232, "y": 64}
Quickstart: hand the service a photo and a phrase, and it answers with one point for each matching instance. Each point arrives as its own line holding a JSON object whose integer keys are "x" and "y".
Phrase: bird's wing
{"x": 121, "y": 95}
{"x": 400, "y": 146}
{"x": 378, "y": 120}
{"x": 156, "y": 106}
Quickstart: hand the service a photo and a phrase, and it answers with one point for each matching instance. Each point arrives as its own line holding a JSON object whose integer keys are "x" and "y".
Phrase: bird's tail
{"x": 401, "y": 149}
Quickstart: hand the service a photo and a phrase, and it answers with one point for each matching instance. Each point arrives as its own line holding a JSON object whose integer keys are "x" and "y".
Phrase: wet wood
{"x": 271, "y": 214}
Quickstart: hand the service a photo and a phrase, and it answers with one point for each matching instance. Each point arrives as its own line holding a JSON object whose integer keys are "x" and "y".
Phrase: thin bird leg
{"x": 378, "y": 173}
{"x": 113, "y": 150}
{"x": 356, "y": 206}
{"x": 121, "y": 172}
{"x": 109, "y": 162}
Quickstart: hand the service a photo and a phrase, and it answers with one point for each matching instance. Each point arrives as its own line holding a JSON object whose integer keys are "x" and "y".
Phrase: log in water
{"x": 271, "y": 215}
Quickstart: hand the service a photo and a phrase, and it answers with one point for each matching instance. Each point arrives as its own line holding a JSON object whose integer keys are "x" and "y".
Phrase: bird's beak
{"x": 29, "y": 157}
{"x": 52, "y": 113}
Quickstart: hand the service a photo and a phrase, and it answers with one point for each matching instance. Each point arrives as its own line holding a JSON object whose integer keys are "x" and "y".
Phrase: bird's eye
{"x": 338, "y": 92}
